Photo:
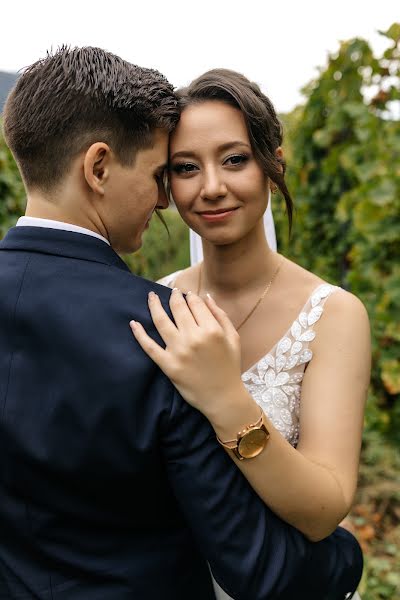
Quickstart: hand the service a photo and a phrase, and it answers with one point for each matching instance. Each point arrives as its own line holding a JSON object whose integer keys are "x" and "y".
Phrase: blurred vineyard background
{"x": 342, "y": 147}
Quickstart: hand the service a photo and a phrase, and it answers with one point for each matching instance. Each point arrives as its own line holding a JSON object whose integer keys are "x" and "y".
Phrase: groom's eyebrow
{"x": 221, "y": 148}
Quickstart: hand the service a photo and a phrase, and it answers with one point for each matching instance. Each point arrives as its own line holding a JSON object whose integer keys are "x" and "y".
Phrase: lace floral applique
{"x": 275, "y": 381}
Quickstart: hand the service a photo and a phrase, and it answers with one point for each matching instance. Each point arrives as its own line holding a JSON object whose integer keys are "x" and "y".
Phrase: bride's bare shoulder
{"x": 344, "y": 306}
{"x": 188, "y": 279}
{"x": 185, "y": 280}
{"x": 297, "y": 280}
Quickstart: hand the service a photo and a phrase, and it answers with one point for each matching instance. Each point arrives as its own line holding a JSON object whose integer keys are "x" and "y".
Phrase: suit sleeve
{"x": 253, "y": 554}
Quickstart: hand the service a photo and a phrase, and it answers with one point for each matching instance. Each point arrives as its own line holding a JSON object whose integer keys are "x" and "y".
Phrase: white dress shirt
{"x": 36, "y": 222}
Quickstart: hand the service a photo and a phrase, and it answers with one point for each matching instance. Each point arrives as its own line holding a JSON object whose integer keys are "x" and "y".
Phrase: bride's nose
{"x": 213, "y": 185}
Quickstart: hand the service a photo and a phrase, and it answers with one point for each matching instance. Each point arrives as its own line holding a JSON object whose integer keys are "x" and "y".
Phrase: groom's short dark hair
{"x": 75, "y": 97}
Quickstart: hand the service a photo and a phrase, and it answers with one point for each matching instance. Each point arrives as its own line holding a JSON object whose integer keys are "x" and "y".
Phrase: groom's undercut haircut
{"x": 73, "y": 98}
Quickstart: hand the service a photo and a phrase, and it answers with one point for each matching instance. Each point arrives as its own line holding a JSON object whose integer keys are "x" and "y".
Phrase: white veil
{"x": 196, "y": 247}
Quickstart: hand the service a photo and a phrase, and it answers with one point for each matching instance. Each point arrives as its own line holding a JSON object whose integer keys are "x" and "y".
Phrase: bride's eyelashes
{"x": 236, "y": 160}
{"x": 183, "y": 168}
{"x": 187, "y": 168}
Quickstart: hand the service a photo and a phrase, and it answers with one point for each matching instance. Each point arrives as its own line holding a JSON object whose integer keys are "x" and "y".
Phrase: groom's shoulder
{"x": 125, "y": 293}
{"x": 137, "y": 284}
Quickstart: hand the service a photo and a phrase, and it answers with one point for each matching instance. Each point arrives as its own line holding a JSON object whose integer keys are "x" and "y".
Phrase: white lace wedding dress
{"x": 275, "y": 380}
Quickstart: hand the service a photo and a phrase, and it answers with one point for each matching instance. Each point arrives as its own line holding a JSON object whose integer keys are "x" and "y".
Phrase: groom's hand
{"x": 202, "y": 353}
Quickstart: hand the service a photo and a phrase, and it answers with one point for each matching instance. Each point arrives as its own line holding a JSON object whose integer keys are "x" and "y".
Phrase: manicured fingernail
{"x": 175, "y": 289}
{"x": 152, "y": 295}
{"x": 133, "y": 324}
{"x": 209, "y": 296}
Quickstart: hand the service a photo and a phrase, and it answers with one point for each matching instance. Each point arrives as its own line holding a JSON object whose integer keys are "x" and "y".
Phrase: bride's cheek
{"x": 183, "y": 196}
{"x": 177, "y": 190}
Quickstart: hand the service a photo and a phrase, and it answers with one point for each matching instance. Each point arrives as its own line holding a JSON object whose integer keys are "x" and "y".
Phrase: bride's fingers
{"x": 200, "y": 311}
{"x": 182, "y": 313}
{"x": 152, "y": 349}
{"x": 165, "y": 327}
{"x": 221, "y": 316}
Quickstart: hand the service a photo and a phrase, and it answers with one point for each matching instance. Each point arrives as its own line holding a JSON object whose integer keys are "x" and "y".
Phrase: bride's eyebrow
{"x": 221, "y": 148}
{"x": 234, "y": 144}
{"x": 185, "y": 153}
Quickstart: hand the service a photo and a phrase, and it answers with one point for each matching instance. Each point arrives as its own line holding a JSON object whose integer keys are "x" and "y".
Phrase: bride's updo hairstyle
{"x": 263, "y": 126}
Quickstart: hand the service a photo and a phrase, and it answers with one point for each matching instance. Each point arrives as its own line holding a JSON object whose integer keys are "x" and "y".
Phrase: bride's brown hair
{"x": 263, "y": 126}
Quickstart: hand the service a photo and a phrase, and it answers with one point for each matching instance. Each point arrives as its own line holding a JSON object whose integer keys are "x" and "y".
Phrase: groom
{"x": 111, "y": 486}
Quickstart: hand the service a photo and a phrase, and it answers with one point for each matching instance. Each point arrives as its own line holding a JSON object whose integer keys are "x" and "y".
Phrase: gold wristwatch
{"x": 249, "y": 442}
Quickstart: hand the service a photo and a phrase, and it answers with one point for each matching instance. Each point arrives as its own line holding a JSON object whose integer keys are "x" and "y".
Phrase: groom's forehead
{"x": 157, "y": 154}
{"x": 160, "y": 145}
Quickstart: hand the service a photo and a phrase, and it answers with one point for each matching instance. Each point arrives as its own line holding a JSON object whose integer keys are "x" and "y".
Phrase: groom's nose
{"x": 162, "y": 200}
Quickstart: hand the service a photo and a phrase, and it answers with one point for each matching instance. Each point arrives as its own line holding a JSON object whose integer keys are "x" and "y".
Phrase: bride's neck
{"x": 231, "y": 268}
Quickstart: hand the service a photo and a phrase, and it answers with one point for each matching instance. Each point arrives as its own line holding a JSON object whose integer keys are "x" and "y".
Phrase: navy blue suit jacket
{"x": 111, "y": 486}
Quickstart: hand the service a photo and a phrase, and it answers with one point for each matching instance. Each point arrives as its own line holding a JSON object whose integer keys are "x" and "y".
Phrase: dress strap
{"x": 275, "y": 380}
{"x": 314, "y": 307}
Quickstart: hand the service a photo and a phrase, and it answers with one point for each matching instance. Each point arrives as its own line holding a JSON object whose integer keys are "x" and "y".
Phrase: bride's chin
{"x": 220, "y": 239}
{"x": 217, "y": 233}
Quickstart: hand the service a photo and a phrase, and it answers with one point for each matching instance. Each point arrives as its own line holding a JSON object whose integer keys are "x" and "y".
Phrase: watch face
{"x": 252, "y": 443}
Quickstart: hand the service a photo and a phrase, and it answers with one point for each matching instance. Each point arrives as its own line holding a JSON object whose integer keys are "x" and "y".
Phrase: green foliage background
{"x": 165, "y": 248}
{"x": 344, "y": 170}
{"x": 12, "y": 194}
{"x": 343, "y": 152}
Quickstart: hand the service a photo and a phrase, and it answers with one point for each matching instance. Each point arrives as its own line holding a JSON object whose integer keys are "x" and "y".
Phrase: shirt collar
{"x": 37, "y": 222}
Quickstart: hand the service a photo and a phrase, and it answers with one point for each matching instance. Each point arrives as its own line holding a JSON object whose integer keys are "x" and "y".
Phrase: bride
{"x": 304, "y": 347}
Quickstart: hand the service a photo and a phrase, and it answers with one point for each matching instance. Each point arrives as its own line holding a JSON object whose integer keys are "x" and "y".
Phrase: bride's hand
{"x": 202, "y": 354}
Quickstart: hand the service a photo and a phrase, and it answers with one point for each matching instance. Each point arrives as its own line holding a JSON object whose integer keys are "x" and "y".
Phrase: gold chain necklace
{"x": 261, "y": 298}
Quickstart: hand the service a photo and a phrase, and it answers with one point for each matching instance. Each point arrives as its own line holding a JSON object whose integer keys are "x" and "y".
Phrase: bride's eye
{"x": 236, "y": 160}
{"x": 183, "y": 168}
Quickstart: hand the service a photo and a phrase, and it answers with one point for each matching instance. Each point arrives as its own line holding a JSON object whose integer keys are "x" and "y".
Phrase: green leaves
{"x": 12, "y": 193}
{"x": 393, "y": 32}
{"x": 344, "y": 173}
{"x": 162, "y": 253}
{"x": 390, "y": 373}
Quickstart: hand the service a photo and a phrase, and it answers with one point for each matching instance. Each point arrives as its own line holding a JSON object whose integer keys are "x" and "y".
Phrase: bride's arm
{"x": 310, "y": 487}
{"x": 313, "y": 486}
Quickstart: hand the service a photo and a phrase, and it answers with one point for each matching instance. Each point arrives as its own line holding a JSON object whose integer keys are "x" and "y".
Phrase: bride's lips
{"x": 217, "y": 215}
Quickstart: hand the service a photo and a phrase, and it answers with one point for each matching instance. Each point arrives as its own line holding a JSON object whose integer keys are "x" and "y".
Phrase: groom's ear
{"x": 96, "y": 166}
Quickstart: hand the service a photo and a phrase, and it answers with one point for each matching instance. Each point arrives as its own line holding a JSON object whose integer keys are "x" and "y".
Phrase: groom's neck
{"x": 65, "y": 207}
